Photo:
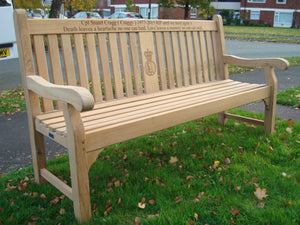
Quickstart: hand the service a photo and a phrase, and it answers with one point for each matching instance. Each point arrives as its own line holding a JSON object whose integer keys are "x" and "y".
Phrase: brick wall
{"x": 290, "y": 4}
{"x": 267, "y": 17}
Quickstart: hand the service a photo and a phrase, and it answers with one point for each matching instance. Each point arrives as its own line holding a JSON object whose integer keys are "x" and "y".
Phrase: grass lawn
{"x": 273, "y": 34}
{"x": 289, "y": 97}
{"x": 195, "y": 173}
{"x": 272, "y": 31}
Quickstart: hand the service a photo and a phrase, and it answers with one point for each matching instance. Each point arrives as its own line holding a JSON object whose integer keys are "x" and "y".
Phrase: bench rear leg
{"x": 270, "y": 103}
{"x": 270, "y": 114}
{"x": 222, "y": 118}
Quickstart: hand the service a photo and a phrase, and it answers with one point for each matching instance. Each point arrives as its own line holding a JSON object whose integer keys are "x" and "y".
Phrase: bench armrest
{"x": 278, "y": 63}
{"x": 79, "y": 97}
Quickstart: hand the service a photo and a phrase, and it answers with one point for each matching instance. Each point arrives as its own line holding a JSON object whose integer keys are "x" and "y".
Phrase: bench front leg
{"x": 79, "y": 167}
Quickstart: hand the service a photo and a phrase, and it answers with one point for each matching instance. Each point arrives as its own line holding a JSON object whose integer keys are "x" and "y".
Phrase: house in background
{"x": 108, "y": 7}
{"x": 275, "y": 13}
{"x": 233, "y": 5}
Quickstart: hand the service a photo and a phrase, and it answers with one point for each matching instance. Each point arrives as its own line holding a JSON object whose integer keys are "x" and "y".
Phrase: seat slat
{"x": 94, "y": 69}
{"x": 42, "y": 67}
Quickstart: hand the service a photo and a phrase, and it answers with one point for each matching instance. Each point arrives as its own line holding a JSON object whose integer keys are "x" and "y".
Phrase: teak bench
{"x": 144, "y": 76}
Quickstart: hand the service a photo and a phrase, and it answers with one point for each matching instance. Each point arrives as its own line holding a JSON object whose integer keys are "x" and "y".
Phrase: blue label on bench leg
{"x": 51, "y": 135}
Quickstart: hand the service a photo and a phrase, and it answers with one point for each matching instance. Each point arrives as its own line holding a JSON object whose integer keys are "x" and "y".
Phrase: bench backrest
{"x": 121, "y": 58}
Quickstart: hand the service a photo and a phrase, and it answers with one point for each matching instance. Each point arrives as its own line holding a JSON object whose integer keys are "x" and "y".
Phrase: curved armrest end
{"x": 79, "y": 97}
{"x": 278, "y": 63}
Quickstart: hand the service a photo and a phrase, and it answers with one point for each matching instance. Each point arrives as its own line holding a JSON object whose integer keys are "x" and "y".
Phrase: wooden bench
{"x": 144, "y": 76}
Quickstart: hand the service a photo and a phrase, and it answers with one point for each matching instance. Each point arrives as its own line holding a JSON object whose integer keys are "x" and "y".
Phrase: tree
{"x": 83, "y": 5}
{"x": 130, "y": 7}
{"x": 55, "y": 8}
{"x": 187, "y": 4}
{"x": 206, "y": 9}
{"x": 23, "y": 4}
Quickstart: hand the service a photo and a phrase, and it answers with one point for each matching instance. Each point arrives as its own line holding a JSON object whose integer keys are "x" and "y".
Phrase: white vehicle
{"x": 8, "y": 44}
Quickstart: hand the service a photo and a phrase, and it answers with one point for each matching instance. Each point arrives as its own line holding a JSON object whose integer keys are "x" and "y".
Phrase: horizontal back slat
{"x": 79, "y": 26}
{"x": 117, "y": 58}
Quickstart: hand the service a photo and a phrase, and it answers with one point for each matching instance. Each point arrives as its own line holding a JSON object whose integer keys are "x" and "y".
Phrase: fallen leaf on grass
{"x": 196, "y": 216}
{"x": 34, "y": 217}
{"x": 188, "y": 178}
{"x": 151, "y": 202}
{"x": 10, "y": 188}
{"x": 173, "y": 160}
{"x": 227, "y": 160}
{"x": 289, "y": 130}
{"x": 235, "y": 212}
{"x": 260, "y": 193}
{"x": 62, "y": 211}
{"x": 216, "y": 163}
{"x": 142, "y": 205}
{"x": 107, "y": 211}
{"x": 261, "y": 205}
{"x": 290, "y": 123}
{"x": 137, "y": 221}
{"x": 149, "y": 217}
{"x": 237, "y": 188}
{"x": 178, "y": 199}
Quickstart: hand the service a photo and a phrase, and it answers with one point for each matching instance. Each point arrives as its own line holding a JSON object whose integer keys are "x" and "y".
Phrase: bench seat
{"x": 137, "y": 116}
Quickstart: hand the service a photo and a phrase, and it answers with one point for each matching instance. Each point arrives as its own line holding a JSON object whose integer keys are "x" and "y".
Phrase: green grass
{"x": 261, "y": 38}
{"x": 141, "y": 168}
{"x": 289, "y": 97}
{"x": 262, "y": 33}
{"x": 12, "y": 101}
{"x": 273, "y": 31}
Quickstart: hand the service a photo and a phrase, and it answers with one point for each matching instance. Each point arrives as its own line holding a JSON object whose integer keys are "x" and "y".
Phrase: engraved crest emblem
{"x": 150, "y": 66}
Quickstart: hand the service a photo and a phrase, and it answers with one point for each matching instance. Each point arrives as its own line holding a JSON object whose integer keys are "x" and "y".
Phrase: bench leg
{"x": 222, "y": 118}
{"x": 79, "y": 167}
{"x": 270, "y": 113}
{"x": 37, "y": 152}
{"x": 270, "y": 103}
